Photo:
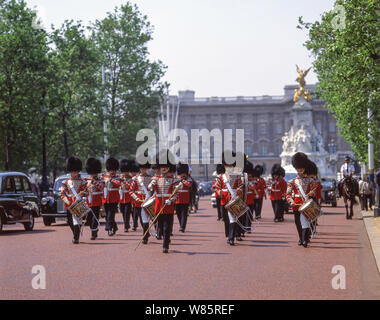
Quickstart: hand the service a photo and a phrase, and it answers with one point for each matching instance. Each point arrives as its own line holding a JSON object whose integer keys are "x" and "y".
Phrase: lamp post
{"x": 45, "y": 184}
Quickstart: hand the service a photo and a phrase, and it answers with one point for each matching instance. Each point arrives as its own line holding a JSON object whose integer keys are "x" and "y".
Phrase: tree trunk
{"x": 7, "y": 165}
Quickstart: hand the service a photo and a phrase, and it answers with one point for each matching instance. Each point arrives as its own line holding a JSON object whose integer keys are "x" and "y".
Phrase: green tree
{"x": 132, "y": 88}
{"x": 347, "y": 64}
{"x": 23, "y": 64}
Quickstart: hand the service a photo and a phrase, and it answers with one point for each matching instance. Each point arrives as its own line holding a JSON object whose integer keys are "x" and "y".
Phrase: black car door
{"x": 29, "y": 196}
{"x": 20, "y": 196}
{"x": 9, "y": 199}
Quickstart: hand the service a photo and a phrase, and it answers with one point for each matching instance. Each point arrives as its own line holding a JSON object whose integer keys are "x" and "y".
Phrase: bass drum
{"x": 149, "y": 206}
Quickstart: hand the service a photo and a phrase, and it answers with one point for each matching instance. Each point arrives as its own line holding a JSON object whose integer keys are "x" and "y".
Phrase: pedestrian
{"x": 111, "y": 196}
{"x": 296, "y": 194}
{"x": 278, "y": 192}
{"x": 72, "y": 190}
{"x": 183, "y": 199}
{"x": 367, "y": 193}
{"x": 95, "y": 189}
{"x": 361, "y": 194}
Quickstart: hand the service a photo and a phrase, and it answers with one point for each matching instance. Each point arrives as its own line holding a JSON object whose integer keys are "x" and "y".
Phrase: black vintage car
{"x": 329, "y": 192}
{"x": 52, "y": 207}
{"x": 18, "y": 203}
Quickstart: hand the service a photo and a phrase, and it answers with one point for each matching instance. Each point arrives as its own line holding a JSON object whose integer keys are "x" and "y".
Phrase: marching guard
{"x": 226, "y": 186}
{"x": 139, "y": 193}
{"x": 164, "y": 185}
{"x": 278, "y": 192}
{"x": 258, "y": 187}
{"x": 125, "y": 198}
{"x": 296, "y": 195}
{"x": 73, "y": 189}
{"x": 183, "y": 199}
{"x": 219, "y": 170}
{"x": 250, "y": 198}
{"x": 111, "y": 197}
{"x": 95, "y": 189}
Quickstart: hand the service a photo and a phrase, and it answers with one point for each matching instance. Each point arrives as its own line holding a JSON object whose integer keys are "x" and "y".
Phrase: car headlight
{"x": 44, "y": 201}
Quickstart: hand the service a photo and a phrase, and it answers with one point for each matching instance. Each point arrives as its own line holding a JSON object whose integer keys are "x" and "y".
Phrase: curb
{"x": 372, "y": 226}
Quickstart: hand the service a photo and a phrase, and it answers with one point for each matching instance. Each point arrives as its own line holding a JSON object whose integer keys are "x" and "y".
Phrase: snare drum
{"x": 311, "y": 210}
{"x": 80, "y": 209}
{"x": 237, "y": 207}
{"x": 149, "y": 206}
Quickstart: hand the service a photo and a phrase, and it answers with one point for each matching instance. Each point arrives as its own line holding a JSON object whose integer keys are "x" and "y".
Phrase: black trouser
{"x": 258, "y": 207}
{"x": 75, "y": 229}
{"x": 219, "y": 208}
{"x": 243, "y": 221}
{"x": 136, "y": 217}
{"x": 367, "y": 197}
{"x": 165, "y": 224}
{"x": 110, "y": 209}
{"x": 93, "y": 219}
{"x": 278, "y": 209}
{"x": 229, "y": 228}
{"x": 126, "y": 209}
{"x": 182, "y": 211}
{"x": 297, "y": 220}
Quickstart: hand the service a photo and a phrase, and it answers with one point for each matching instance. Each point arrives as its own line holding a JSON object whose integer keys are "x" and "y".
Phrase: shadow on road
{"x": 201, "y": 253}
{"x": 18, "y": 232}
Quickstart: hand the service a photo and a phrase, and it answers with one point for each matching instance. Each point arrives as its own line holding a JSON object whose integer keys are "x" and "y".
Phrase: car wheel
{"x": 29, "y": 225}
{"x": 47, "y": 221}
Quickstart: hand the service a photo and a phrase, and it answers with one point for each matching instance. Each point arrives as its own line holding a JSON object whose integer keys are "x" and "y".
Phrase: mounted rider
{"x": 348, "y": 170}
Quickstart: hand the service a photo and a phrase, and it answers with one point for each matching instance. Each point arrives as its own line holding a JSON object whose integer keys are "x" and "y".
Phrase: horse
{"x": 348, "y": 193}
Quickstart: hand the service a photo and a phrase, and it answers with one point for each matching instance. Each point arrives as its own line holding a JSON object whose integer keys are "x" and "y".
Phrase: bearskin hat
{"x": 93, "y": 166}
{"x": 155, "y": 166}
{"x": 182, "y": 168}
{"x": 258, "y": 171}
{"x": 248, "y": 167}
{"x": 74, "y": 164}
{"x": 311, "y": 168}
{"x": 277, "y": 170}
{"x": 224, "y": 160}
{"x": 283, "y": 172}
{"x": 112, "y": 164}
{"x": 299, "y": 160}
{"x": 220, "y": 169}
{"x": 166, "y": 156}
{"x": 134, "y": 167}
{"x": 125, "y": 165}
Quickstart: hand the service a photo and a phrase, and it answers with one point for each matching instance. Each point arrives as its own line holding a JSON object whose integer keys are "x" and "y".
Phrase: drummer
{"x": 74, "y": 184}
{"x": 295, "y": 197}
{"x": 234, "y": 182}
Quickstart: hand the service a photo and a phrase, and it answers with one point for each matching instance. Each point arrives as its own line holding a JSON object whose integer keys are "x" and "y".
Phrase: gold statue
{"x": 302, "y": 83}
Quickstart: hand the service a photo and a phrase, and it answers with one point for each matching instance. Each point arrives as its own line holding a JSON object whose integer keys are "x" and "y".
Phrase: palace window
{"x": 332, "y": 127}
{"x": 319, "y": 126}
{"x": 263, "y": 149}
{"x": 263, "y": 129}
{"x": 278, "y": 128}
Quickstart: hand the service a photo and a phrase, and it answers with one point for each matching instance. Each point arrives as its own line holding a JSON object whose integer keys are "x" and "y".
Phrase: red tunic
{"x": 67, "y": 196}
{"x": 214, "y": 188}
{"x": 278, "y": 189}
{"x": 124, "y": 189}
{"x": 95, "y": 188}
{"x": 220, "y": 186}
{"x": 293, "y": 196}
{"x": 135, "y": 190}
{"x": 164, "y": 187}
{"x": 111, "y": 189}
{"x": 184, "y": 194}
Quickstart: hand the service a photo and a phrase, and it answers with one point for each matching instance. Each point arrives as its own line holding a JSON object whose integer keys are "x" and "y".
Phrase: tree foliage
{"x": 57, "y": 76}
{"x": 347, "y": 65}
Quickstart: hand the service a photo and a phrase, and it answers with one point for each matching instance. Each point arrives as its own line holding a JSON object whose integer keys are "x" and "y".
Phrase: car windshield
{"x": 327, "y": 184}
{"x": 58, "y": 185}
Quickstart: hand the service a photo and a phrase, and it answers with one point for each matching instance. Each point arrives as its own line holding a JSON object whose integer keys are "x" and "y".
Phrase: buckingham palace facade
{"x": 265, "y": 121}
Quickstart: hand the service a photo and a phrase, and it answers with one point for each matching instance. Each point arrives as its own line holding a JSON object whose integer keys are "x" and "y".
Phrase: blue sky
{"x": 215, "y": 47}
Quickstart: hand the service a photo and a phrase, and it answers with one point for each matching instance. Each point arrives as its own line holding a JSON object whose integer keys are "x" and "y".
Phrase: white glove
{"x": 168, "y": 202}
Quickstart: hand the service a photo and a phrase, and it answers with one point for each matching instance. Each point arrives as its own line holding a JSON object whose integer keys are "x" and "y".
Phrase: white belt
{"x": 273, "y": 190}
{"x": 113, "y": 189}
{"x": 138, "y": 192}
{"x": 297, "y": 196}
{"x": 183, "y": 191}
{"x": 225, "y": 190}
{"x": 125, "y": 191}
{"x": 96, "y": 193}
{"x": 163, "y": 195}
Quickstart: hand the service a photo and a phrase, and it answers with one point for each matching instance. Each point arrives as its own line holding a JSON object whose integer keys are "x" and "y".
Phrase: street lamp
{"x": 45, "y": 184}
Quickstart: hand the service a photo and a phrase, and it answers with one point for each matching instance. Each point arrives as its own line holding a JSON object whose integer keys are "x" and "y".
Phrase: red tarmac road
{"x": 268, "y": 264}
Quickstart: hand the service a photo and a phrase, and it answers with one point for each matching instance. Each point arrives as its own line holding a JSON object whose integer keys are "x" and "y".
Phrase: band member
{"x": 258, "y": 189}
{"x": 164, "y": 186}
{"x": 183, "y": 199}
{"x": 95, "y": 189}
{"x": 125, "y": 198}
{"x": 296, "y": 194}
{"x": 111, "y": 197}
{"x": 278, "y": 192}
{"x": 315, "y": 192}
{"x": 73, "y": 188}
{"x": 157, "y": 172}
{"x": 219, "y": 170}
{"x": 250, "y": 198}
{"x": 227, "y": 186}
{"x": 139, "y": 193}
{"x": 135, "y": 170}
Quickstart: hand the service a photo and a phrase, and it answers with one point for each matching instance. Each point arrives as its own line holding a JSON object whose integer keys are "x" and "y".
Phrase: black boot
{"x": 76, "y": 231}
{"x": 303, "y": 239}
{"x": 94, "y": 235}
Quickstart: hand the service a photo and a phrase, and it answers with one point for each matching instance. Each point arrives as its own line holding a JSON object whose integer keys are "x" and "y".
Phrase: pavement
{"x": 268, "y": 264}
{"x": 372, "y": 225}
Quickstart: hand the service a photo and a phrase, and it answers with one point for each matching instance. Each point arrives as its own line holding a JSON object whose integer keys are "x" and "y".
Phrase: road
{"x": 268, "y": 264}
